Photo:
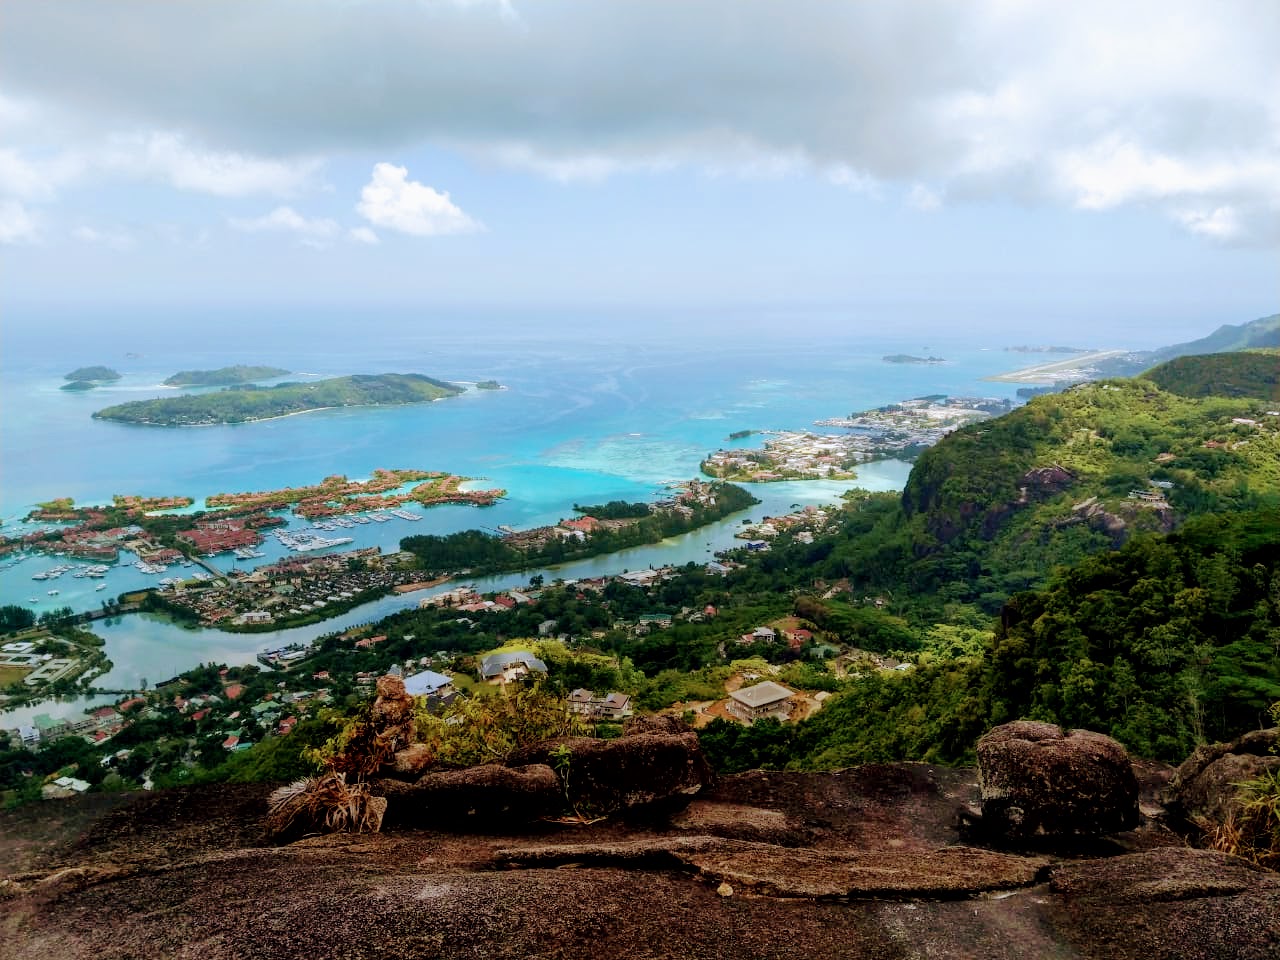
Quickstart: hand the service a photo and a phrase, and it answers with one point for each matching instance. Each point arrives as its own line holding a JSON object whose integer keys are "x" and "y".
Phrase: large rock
{"x": 488, "y": 798}
{"x": 601, "y": 777}
{"x": 1038, "y": 782}
{"x": 1204, "y": 791}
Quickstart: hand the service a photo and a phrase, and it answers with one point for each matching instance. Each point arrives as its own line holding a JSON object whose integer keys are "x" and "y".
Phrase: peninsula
{"x": 244, "y": 404}
{"x": 898, "y": 430}
{"x": 223, "y": 376}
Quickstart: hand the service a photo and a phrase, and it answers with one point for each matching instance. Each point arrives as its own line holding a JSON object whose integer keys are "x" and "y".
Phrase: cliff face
{"x": 857, "y": 863}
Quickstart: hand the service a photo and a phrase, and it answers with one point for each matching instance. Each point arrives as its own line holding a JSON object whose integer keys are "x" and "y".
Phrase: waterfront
{"x": 580, "y": 422}
{"x": 146, "y": 647}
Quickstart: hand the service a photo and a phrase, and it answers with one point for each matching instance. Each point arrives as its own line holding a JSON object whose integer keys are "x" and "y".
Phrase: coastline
{"x": 1055, "y": 371}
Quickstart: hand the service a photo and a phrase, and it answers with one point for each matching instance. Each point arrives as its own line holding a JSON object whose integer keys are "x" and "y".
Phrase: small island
{"x": 741, "y": 434}
{"x": 245, "y": 404}
{"x": 908, "y": 358}
{"x": 223, "y": 376}
{"x": 86, "y": 378}
{"x": 489, "y": 385}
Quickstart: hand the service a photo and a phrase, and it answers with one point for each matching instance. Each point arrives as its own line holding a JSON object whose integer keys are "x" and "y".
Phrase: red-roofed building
{"x": 233, "y": 691}
{"x": 505, "y": 602}
{"x": 133, "y": 703}
{"x": 582, "y": 524}
{"x": 230, "y": 742}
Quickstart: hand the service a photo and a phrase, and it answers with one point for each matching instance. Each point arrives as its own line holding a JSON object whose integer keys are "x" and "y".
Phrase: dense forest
{"x": 246, "y": 403}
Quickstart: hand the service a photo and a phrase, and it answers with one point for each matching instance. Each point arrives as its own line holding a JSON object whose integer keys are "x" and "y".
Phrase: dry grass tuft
{"x": 1253, "y": 832}
{"x": 325, "y": 804}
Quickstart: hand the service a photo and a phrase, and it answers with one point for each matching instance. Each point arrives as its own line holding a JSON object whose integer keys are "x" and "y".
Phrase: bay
{"x": 598, "y": 415}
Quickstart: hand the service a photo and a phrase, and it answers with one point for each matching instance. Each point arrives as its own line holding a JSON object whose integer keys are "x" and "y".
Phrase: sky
{"x": 1089, "y": 167}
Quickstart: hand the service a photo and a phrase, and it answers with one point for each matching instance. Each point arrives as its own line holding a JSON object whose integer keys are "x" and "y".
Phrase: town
{"x": 899, "y": 430}
{"x": 603, "y": 645}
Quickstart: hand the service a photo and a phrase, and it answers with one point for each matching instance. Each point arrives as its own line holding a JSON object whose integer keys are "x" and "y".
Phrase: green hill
{"x": 1251, "y": 373}
{"x": 245, "y": 404}
{"x": 994, "y": 507}
{"x": 224, "y": 376}
{"x": 1263, "y": 332}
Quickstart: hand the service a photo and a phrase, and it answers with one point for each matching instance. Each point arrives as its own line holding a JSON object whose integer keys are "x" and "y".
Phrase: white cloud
{"x": 315, "y": 232}
{"x": 17, "y": 224}
{"x": 923, "y": 199}
{"x": 1167, "y": 104}
{"x": 169, "y": 157}
{"x": 390, "y": 199}
{"x": 120, "y": 240}
{"x": 363, "y": 235}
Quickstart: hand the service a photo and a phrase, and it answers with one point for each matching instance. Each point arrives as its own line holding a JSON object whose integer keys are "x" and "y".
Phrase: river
{"x": 151, "y": 648}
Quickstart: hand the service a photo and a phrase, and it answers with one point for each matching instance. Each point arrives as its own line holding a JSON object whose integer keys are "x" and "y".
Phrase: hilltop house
{"x": 505, "y": 667}
{"x": 614, "y": 706}
{"x": 765, "y": 699}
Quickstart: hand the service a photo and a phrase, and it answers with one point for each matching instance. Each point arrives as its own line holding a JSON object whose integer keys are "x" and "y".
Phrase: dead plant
{"x": 326, "y": 804}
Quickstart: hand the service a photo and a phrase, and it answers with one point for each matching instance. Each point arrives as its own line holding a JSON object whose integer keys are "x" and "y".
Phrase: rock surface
{"x": 489, "y": 797}
{"x": 1203, "y": 790}
{"x": 1038, "y": 782}
{"x": 602, "y": 777}
{"x": 873, "y": 872}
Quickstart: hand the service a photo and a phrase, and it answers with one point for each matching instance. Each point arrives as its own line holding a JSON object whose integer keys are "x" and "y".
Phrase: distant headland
{"x": 908, "y": 358}
{"x": 246, "y": 403}
{"x": 224, "y": 376}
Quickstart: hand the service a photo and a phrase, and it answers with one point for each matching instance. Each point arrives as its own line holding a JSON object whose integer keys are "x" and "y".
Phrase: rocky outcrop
{"x": 601, "y": 777}
{"x": 1204, "y": 791}
{"x": 1173, "y": 902}
{"x": 877, "y": 874}
{"x": 488, "y": 797}
{"x": 1038, "y": 782}
{"x": 392, "y": 714}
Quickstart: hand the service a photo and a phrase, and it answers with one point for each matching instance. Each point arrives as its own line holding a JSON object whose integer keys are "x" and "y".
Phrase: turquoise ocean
{"x": 604, "y": 410}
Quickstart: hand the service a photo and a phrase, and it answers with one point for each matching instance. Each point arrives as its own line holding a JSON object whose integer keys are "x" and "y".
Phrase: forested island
{"x": 224, "y": 376}
{"x": 244, "y": 404}
{"x": 488, "y": 385}
{"x": 908, "y": 358}
{"x": 86, "y": 378}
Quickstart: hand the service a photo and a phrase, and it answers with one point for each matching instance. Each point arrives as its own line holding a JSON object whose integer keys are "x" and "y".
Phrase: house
{"x": 506, "y": 667}
{"x": 546, "y": 627}
{"x": 428, "y": 683}
{"x": 613, "y": 706}
{"x": 759, "y": 635}
{"x": 765, "y": 699}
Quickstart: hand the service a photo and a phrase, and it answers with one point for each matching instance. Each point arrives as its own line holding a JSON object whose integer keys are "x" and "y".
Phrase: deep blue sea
{"x": 598, "y": 411}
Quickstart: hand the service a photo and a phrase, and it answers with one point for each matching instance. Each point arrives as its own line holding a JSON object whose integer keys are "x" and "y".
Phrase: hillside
{"x": 1263, "y": 332}
{"x": 223, "y": 376}
{"x": 998, "y": 504}
{"x": 246, "y": 404}
{"x": 1255, "y": 373}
